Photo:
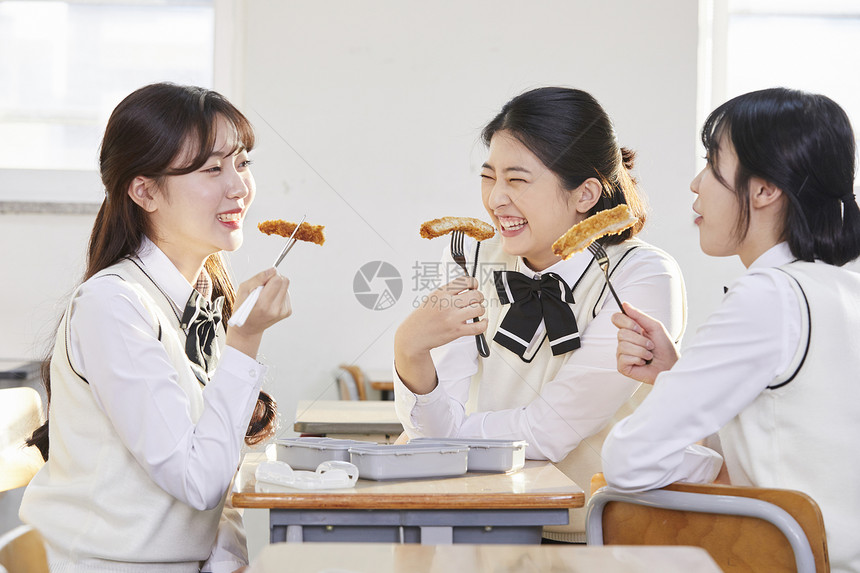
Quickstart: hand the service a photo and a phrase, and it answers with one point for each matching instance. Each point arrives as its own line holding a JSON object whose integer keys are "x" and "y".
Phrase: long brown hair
{"x": 148, "y": 133}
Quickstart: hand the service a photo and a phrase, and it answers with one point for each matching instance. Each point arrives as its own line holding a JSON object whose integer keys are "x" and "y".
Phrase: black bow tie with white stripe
{"x": 547, "y": 297}
{"x": 200, "y": 322}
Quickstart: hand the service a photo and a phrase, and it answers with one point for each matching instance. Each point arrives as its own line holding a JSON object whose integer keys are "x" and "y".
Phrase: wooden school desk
{"x": 379, "y": 379}
{"x": 387, "y": 558}
{"x": 385, "y": 387}
{"x": 373, "y": 420}
{"x": 474, "y": 508}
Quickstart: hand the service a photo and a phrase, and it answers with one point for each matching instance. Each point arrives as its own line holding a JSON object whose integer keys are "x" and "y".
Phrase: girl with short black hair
{"x": 773, "y": 369}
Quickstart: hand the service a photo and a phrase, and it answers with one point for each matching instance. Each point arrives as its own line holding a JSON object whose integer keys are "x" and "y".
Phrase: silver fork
{"x": 241, "y": 315}
{"x": 602, "y": 259}
{"x": 457, "y": 252}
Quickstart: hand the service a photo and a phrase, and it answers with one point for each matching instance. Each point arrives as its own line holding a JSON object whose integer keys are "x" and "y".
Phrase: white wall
{"x": 41, "y": 260}
{"x": 368, "y": 116}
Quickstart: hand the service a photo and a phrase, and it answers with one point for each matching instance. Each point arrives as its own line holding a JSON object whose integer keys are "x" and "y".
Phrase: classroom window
{"x": 755, "y": 44}
{"x": 65, "y": 66}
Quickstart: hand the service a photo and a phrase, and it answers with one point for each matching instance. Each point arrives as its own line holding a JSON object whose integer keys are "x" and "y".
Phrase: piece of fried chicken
{"x": 307, "y": 232}
{"x": 475, "y": 228}
{"x": 607, "y": 222}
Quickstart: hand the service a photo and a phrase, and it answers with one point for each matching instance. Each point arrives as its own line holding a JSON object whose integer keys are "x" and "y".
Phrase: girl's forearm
{"x": 415, "y": 368}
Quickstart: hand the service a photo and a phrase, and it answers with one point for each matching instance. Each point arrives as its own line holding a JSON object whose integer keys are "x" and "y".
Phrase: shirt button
{"x": 252, "y": 373}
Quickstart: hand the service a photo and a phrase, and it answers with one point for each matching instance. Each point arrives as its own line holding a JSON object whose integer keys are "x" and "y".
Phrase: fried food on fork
{"x": 475, "y": 228}
{"x": 307, "y": 232}
{"x": 607, "y": 222}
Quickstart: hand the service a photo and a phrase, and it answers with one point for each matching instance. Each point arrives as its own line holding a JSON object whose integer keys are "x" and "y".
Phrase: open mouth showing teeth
{"x": 229, "y": 217}
{"x": 512, "y": 224}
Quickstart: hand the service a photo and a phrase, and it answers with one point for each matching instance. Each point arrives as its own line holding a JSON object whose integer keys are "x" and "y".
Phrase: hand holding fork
{"x": 602, "y": 259}
{"x": 241, "y": 315}
{"x": 457, "y": 252}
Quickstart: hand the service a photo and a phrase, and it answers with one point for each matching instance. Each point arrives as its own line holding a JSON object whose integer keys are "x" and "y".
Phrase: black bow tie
{"x": 531, "y": 300}
{"x": 200, "y": 321}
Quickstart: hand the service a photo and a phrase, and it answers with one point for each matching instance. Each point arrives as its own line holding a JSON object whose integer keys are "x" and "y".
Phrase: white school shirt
{"x": 186, "y": 460}
{"x": 589, "y": 371}
{"x": 748, "y": 341}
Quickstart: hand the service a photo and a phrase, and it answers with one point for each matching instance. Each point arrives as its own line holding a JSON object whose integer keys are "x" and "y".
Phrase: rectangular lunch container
{"x": 408, "y": 461}
{"x": 487, "y": 455}
{"x": 309, "y": 452}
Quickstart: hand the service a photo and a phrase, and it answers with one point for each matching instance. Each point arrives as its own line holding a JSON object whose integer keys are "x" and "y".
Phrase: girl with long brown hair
{"x": 150, "y": 398}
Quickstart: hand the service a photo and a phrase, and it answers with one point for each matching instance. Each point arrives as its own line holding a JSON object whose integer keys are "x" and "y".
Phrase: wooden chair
{"x": 23, "y": 551}
{"x": 20, "y": 414}
{"x": 352, "y": 382}
{"x": 745, "y": 529}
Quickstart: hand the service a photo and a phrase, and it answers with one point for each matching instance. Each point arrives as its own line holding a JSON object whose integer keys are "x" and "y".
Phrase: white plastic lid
{"x": 322, "y": 443}
{"x": 406, "y": 449}
{"x": 329, "y": 475}
{"x": 473, "y": 442}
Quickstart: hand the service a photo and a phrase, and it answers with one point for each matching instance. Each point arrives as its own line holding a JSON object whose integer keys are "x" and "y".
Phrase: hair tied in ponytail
{"x": 628, "y": 158}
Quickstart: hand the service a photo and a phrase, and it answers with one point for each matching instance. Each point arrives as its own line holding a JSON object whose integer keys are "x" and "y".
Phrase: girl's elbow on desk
{"x": 622, "y": 471}
{"x": 624, "y": 476}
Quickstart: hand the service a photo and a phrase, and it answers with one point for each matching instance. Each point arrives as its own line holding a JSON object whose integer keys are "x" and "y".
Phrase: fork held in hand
{"x": 458, "y": 253}
{"x": 241, "y": 315}
{"x": 602, "y": 259}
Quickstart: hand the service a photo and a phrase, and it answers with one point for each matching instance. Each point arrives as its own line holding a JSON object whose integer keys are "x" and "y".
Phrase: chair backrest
{"x": 20, "y": 414}
{"x": 743, "y": 528}
{"x": 352, "y": 383}
{"x": 23, "y": 551}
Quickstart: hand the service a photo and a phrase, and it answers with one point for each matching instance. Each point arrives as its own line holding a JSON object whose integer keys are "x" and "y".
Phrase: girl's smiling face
{"x": 526, "y": 201}
{"x": 201, "y": 213}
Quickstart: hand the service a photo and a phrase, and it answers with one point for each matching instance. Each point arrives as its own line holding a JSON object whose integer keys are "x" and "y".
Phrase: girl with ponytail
{"x": 770, "y": 378}
{"x": 150, "y": 398}
{"x": 554, "y": 159}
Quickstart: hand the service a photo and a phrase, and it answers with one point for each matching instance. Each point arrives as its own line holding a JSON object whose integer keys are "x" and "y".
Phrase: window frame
{"x": 41, "y": 191}
{"x": 714, "y": 18}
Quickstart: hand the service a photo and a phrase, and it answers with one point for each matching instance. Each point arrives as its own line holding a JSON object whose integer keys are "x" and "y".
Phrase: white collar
{"x": 776, "y": 256}
{"x": 165, "y": 274}
{"x": 569, "y": 270}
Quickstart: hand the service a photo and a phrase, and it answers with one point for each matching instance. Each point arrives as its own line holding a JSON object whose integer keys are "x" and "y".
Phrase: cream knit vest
{"x": 516, "y": 383}
{"x": 800, "y": 433}
{"x": 91, "y": 501}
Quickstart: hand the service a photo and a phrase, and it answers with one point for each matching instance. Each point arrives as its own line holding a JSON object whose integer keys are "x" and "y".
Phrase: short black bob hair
{"x": 803, "y": 144}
